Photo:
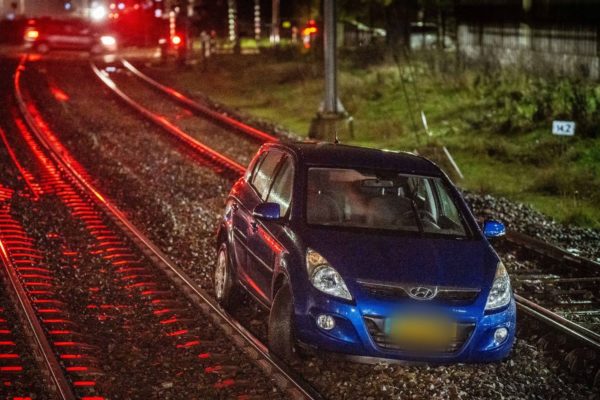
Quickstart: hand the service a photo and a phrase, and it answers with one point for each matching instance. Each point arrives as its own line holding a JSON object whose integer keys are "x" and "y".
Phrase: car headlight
{"x": 500, "y": 294}
{"x": 324, "y": 277}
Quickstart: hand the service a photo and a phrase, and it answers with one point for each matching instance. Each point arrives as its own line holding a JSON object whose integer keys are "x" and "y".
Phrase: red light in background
{"x": 32, "y": 34}
{"x": 176, "y": 40}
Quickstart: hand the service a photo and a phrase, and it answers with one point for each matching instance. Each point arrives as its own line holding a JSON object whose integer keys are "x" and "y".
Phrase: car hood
{"x": 469, "y": 263}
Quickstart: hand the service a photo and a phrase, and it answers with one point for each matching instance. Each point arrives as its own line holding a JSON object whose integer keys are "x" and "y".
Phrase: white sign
{"x": 563, "y": 128}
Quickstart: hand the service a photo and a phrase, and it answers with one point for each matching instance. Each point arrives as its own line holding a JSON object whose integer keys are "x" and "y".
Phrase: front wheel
{"x": 226, "y": 289}
{"x": 281, "y": 327}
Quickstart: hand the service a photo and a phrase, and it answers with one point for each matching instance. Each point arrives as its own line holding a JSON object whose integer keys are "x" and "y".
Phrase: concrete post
{"x": 329, "y": 51}
{"x": 331, "y": 120}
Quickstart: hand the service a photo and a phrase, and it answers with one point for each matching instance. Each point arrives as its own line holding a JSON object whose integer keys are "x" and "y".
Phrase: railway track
{"x": 22, "y": 371}
{"x": 571, "y": 323}
{"x": 558, "y": 287}
{"x": 136, "y": 268}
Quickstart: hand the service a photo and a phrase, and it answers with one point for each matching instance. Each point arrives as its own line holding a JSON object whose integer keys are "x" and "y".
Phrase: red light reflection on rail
{"x": 11, "y": 368}
{"x": 59, "y": 94}
{"x": 189, "y": 344}
{"x": 178, "y": 333}
{"x": 84, "y": 383}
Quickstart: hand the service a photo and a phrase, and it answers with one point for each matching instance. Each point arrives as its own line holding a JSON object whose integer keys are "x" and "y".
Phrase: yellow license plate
{"x": 423, "y": 331}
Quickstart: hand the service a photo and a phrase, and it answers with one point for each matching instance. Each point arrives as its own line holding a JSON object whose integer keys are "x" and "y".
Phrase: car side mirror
{"x": 493, "y": 229}
{"x": 267, "y": 211}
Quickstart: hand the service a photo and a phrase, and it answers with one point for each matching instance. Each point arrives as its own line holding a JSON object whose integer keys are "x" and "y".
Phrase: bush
{"x": 519, "y": 103}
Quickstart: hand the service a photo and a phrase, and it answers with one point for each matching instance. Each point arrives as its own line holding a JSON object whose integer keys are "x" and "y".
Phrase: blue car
{"x": 365, "y": 253}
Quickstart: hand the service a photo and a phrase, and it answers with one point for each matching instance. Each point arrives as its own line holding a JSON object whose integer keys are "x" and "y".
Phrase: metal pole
{"x": 329, "y": 44}
{"x": 275, "y": 22}
{"x": 231, "y": 19}
{"x": 257, "y": 26}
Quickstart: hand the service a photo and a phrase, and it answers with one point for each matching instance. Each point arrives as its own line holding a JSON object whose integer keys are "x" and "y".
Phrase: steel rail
{"x": 580, "y": 333}
{"x": 285, "y": 378}
{"x": 38, "y": 339}
{"x": 553, "y": 251}
{"x": 169, "y": 127}
{"x": 231, "y": 123}
{"x": 41, "y": 345}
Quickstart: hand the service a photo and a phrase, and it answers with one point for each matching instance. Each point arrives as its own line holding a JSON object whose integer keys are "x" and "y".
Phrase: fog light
{"x": 326, "y": 322}
{"x": 500, "y": 335}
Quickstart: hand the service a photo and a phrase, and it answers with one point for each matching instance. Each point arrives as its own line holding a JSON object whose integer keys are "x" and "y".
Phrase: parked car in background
{"x": 363, "y": 252}
{"x": 44, "y": 35}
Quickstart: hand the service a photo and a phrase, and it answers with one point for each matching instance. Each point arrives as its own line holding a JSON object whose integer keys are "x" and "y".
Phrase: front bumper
{"x": 351, "y": 335}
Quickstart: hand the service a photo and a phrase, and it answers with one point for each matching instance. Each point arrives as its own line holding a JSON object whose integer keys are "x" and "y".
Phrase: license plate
{"x": 422, "y": 331}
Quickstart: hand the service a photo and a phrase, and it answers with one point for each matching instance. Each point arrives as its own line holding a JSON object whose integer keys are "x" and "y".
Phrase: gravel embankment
{"x": 237, "y": 147}
{"x": 179, "y": 203}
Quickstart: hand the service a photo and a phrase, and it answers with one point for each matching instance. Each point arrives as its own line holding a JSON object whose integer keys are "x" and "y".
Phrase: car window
{"x": 448, "y": 208}
{"x": 263, "y": 176}
{"x": 381, "y": 199}
{"x": 254, "y": 164}
{"x": 281, "y": 191}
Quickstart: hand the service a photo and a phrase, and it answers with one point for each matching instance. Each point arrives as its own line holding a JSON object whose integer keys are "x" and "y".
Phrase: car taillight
{"x": 32, "y": 34}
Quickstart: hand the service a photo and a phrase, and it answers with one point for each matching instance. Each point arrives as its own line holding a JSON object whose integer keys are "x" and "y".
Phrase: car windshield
{"x": 381, "y": 199}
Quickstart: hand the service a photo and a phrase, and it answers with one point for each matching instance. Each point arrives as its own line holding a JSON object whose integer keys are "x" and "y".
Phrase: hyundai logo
{"x": 423, "y": 292}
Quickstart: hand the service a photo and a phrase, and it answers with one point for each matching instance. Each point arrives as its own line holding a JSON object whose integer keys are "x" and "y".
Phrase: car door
{"x": 244, "y": 222}
{"x": 262, "y": 239}
{"x": 236, "y": 211}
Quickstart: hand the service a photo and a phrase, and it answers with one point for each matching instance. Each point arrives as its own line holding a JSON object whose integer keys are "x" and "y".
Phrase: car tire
{"x": 42, "y": 48}
{"x": 227, "y": 290}
{"x": 281, "y": 326}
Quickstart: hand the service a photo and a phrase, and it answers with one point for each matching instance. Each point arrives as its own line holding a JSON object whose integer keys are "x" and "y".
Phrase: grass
{"x": 496, "y": 126}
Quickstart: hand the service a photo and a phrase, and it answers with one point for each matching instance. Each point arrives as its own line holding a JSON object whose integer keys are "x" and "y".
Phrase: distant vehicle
{"x": 363, "y": 252}
{"x": 44, "y": 35}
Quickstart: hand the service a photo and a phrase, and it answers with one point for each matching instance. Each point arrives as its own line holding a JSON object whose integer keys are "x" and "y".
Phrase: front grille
{"x": 376, "y": 328}
{"x": 399, "y": 292}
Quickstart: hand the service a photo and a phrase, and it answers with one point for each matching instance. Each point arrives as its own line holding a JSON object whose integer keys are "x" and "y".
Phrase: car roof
{"x": 327, "y": 154}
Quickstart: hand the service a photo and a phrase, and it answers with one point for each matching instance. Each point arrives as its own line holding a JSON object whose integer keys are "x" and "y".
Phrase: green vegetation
{"x": 496, "y": 124}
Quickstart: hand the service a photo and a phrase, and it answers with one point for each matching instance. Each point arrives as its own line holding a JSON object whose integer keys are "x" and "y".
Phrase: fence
{"x": 572, "y": 50}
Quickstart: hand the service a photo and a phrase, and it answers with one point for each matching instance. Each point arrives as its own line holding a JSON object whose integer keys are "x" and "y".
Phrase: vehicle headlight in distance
{"x": 500, "y": 294}
{"x": 324, "y": 277}
{"x": 108, "y": 40}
